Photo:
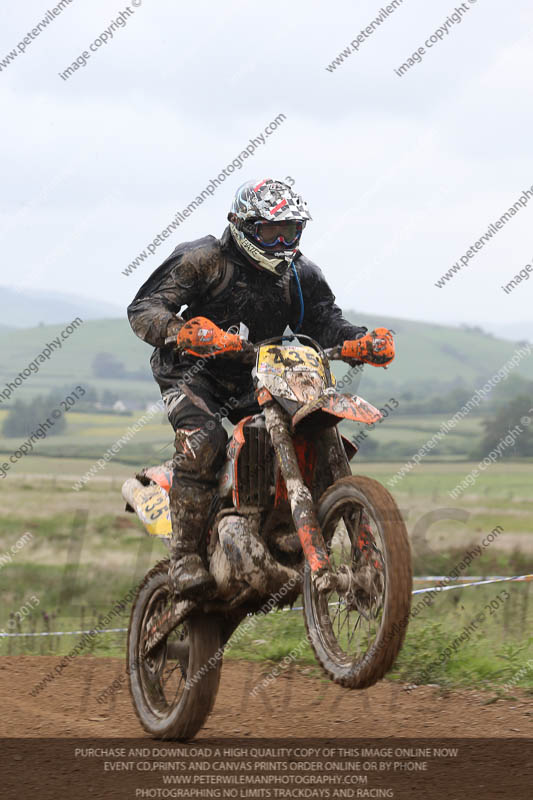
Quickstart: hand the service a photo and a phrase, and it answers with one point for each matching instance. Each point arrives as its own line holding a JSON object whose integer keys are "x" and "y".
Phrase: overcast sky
{"x": 402, "y": 174}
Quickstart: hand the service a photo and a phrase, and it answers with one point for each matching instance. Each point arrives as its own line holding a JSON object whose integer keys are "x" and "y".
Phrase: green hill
{"x": 431, "y": 352}
{"x": 432, "y": 360}
{"x": 429, "y": 358}
{"x": 23, "y": 307}
{"x": 72, "y": 363}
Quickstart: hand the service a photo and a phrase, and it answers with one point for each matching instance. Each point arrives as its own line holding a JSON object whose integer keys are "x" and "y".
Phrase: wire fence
{"x": 37, "y": 633}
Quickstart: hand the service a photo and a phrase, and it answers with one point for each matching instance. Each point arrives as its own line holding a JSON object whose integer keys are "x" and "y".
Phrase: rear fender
{"x": 161, "y": 475}
{"x": 151, "y": 504}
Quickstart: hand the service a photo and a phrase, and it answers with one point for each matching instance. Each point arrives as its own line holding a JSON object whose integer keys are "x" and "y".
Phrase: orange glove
{"x": 375, "y": 348}
{"x": 200, "y": 337}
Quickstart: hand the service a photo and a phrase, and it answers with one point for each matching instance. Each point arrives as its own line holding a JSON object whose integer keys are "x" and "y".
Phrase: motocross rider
{"x": 255, "y": 276}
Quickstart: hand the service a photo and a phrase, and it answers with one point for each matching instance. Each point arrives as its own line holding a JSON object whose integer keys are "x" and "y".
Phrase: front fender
{"x": 342, "y": 406}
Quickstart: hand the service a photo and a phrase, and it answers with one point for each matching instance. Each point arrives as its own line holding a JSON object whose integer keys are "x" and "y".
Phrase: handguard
{"x": 375, "y": 348}
{"x": 200, "y": 337}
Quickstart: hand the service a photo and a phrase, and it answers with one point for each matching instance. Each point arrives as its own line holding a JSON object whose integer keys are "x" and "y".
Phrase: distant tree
{"x": 512, "y": 387}
{"x": 475, "y": 329}
{"x": 106, "y": 365}
{"x": 364, "y": 443}
{"x": 407, "y": 396}
{"x": 84, "y": 404}
{"x": 143, "y": 374}
{"x": 109, "y": 398}
{"x": 458, "y": 397}
{"x": 512, "y": 416}
{"x": 91, "y": 395}
{"x": 25, "y": 418}
{"x": 17, "y": 421}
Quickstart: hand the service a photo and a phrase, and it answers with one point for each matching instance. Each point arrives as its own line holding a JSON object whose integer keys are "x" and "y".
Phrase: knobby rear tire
{"x": 185, "y": 719}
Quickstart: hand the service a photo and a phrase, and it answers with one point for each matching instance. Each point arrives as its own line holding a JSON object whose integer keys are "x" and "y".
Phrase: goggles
{"x": 270, "y": 234}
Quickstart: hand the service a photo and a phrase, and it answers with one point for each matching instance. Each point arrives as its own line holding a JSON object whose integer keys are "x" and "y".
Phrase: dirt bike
{"x": 288, "y": 518}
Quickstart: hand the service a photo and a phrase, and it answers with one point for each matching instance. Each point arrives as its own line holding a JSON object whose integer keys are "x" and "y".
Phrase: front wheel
{"x": 173, "y": 687}
{"x": 357, "y": 629}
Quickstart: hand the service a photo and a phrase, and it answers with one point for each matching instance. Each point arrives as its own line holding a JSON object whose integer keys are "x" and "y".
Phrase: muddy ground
{"x": 44, "y": 732}
{"x": 296, "y": 704}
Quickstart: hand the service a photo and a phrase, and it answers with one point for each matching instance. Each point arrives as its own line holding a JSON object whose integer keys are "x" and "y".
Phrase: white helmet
{"x": 266, "y": 221}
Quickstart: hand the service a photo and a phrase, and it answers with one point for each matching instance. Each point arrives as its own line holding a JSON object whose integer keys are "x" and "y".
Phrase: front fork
{"x": 300, "y": 498}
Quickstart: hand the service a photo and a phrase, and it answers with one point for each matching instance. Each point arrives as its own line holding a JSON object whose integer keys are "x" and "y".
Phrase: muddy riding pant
{"x": 196, "y": 415}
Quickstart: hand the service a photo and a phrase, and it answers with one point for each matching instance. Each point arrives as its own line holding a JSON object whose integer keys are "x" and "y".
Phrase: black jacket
{"x": 212, "y": 279}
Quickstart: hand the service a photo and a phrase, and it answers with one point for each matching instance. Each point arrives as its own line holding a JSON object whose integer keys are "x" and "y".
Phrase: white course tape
{"x": 498, "y": 579}
{"x": 482, "y": 582}
{"x": 475, "y": 583}
{"x": 66, "y": 633}
{"x": 429, "y": 578}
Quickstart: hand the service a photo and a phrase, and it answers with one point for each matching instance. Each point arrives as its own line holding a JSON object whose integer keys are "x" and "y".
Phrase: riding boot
{"x": 200, "y": 448}
{"x": 189, "y": 504}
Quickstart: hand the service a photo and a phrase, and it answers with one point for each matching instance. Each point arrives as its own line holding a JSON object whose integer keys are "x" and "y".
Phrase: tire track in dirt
{"x": 298, "y": 703}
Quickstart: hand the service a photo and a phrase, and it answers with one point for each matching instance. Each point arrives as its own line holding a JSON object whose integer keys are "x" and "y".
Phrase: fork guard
{"x": 341, "y": 406}
{"x": 300, "y": 498}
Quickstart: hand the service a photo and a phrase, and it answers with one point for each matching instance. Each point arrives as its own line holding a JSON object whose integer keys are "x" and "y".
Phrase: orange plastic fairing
{"x": 343, "y": 406}
{"x": 162, "y": 475}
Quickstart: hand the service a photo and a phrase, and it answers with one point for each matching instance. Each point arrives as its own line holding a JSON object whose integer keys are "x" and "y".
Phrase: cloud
{"x": 401, "y": 174}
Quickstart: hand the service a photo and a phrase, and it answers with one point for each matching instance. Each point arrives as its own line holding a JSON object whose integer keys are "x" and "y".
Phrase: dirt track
{"x": 296, "y": 704}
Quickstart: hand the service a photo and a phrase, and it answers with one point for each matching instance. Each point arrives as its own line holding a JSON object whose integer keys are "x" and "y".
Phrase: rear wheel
{"x": 174, "y": 687}
{"x": 357, "y": 629}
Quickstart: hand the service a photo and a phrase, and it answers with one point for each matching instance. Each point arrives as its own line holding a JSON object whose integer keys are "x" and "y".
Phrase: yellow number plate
{"x": 274, "y": 358}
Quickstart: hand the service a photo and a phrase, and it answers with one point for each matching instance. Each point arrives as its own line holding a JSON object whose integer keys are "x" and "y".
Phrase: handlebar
{"x": 172, "y": 340}
{"x": 331, "y": 353}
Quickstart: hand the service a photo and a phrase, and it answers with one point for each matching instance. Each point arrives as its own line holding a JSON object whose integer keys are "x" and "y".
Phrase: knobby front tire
{"x": 359, "y": 518}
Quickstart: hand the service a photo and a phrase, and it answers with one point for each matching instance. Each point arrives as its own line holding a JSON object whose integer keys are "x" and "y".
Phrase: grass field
{"x": 502, "y": 496}
{"x": 498, "y": 652}
{"x": 425, "y": 352}
{"x": 89, "y": 435}
{"x": 85, "y": 554}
